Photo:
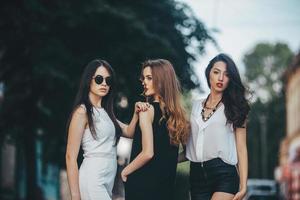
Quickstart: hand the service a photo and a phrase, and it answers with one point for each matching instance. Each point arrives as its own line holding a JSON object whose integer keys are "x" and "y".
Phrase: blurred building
{"x": 7, "y": 168}
{"x": 12, "y": 173}
{"x": 288, "y": 171}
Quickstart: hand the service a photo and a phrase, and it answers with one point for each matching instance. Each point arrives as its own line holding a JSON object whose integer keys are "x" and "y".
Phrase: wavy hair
{"x": 168, "y": 89}
{"x": 234, "y": 100}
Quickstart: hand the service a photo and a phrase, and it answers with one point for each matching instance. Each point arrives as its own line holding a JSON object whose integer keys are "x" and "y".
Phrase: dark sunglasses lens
{"x": 108, "y": 81}
{"x": 98, "y": 79}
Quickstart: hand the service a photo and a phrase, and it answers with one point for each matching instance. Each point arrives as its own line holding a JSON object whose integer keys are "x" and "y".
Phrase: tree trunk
{"x": 30, "y": 164}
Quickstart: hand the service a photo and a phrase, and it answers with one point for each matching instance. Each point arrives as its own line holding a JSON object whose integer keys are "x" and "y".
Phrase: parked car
{"x": 261, "y": 189}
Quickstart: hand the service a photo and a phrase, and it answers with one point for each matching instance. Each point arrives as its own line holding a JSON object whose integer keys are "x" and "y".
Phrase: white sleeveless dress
{"x": 98, "y": 169}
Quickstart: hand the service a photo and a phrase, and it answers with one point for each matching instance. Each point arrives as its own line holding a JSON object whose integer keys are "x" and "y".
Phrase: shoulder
{"x": 79, "y": 115}
{"x": 80, "y": 110}
{"x": 148, "y": 114}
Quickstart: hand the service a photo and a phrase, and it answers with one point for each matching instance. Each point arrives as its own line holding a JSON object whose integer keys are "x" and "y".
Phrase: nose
{"x": 104, "y": 82}
{"x": 221, "y": 76}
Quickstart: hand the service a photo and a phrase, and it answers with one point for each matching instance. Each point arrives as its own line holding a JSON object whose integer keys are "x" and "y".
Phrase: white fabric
{"x": 98, "y": 169}
{"x": 211, "y": 139}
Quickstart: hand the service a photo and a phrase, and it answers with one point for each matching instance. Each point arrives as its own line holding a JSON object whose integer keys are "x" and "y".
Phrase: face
{"x": 147, "y": 81}
{"x": 100, "y": 83}
{"x": 218, "y": 77}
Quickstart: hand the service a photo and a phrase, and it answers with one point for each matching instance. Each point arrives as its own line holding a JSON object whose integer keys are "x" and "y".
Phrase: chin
{"x": 101, "y": 94}
{"x": 219, "y": 90}
{"x": 149, "y": 94}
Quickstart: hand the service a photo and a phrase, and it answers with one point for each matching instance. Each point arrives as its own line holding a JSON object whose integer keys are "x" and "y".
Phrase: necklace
{"x": 211, "y": 113}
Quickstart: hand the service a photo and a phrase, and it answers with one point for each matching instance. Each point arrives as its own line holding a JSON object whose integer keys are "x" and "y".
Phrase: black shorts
{"x": 212, "y": 176}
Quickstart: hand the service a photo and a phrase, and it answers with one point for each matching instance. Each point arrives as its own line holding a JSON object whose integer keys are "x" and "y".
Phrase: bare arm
{"x": 145, "y": 122}
{"x": 128, "y": 130}
{"x": 75, "y": 132}
{"x": 241, "y": 145}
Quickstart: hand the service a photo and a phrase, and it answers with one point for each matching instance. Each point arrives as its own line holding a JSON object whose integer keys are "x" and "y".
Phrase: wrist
{"x": 135, "y": 115}
{"x": 243, "y": 189}
{"x": 125, "y": 171}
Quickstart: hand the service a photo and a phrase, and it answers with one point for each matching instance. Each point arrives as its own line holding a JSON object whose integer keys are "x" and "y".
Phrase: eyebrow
{"x": 218, "y": 69}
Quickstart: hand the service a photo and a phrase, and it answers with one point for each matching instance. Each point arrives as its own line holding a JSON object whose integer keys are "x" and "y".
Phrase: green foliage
{"x": 182, "y": 186}
{"x": 46, "y": 44}
{"x": 265, "y": 66}
{"x": 187, "y": 102}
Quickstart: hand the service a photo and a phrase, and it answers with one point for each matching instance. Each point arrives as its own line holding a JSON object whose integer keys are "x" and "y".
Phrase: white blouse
{"x": 211, "y": 139}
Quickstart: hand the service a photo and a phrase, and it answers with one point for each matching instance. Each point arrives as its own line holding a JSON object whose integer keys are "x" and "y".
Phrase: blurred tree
{"x": 44, "y": 46}
{"x": 265, "y": 65}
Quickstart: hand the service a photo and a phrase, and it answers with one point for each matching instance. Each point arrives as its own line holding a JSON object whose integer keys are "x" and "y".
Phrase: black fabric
{"x": 212, "y": 176}
{"x": 156, "y": 179}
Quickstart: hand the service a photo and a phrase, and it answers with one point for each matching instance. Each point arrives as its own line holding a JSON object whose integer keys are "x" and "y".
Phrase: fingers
{"x": 141, "y": 106}
{"x": 238, "y": 196}
{"x": 124, "y": 178}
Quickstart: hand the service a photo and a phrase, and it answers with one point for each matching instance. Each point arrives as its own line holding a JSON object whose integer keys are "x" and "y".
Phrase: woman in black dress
{"x": 152, "y": 170}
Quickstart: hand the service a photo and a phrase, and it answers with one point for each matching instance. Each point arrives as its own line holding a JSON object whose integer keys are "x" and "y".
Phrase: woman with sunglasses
{"x": 93, "y": 125}
{"x": 217, "y": 145}
{"x": 151, "y": 173}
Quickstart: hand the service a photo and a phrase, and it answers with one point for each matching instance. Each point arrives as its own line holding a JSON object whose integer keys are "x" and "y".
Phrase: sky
{"x": 244, "y": 23}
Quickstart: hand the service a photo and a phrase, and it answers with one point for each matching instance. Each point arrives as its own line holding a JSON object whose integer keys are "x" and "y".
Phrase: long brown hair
{"x": 168, "y": 89}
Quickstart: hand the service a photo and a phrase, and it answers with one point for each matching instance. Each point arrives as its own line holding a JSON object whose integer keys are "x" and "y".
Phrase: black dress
{"x": 156, "y": 179}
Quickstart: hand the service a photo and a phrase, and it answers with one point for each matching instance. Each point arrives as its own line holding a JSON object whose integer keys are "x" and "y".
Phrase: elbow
{"x": 148, "y": 155}
{"x": 130, "y": 133}
{"x": 67, "y": 157}
{"x": 127, "y": 133}
{"x": 70, "y": 159}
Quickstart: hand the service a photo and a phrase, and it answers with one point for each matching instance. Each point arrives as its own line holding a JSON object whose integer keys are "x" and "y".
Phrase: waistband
{"x": 209, "y": 163}
{"x": 100, "y": 155}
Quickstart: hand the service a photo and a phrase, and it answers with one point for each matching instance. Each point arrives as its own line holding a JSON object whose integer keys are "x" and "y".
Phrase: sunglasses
{"x": 99, "y": 80}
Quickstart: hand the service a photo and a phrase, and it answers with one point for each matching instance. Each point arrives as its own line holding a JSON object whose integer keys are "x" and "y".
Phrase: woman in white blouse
{"x": 217, "y": 144}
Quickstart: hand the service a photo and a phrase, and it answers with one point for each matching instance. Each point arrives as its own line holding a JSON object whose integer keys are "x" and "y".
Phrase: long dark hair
{"x": 234, "y": 100}
{"x": 82, "y": 97}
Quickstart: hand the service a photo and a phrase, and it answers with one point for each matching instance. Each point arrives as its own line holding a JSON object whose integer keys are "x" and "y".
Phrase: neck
{"x": 156, "y": 99}
{"x": 95, "y": 100}
{"x": 214, "y": 97}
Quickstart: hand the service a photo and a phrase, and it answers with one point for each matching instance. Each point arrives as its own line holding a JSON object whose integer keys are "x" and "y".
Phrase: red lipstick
{"x": 219, "y": 85}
